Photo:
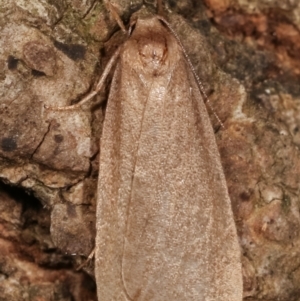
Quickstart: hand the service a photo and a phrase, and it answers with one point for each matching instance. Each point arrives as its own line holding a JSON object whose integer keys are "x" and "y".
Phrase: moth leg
{"x": 90, "y": 257}
{"x": 115, "y": 15}
{"x": 97, "y": 88}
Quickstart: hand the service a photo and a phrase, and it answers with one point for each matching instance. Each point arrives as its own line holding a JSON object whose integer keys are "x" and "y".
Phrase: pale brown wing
{"x": 165, "y": 229}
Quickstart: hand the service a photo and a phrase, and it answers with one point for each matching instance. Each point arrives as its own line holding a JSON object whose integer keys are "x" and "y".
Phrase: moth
{"x": 165, "y": 227}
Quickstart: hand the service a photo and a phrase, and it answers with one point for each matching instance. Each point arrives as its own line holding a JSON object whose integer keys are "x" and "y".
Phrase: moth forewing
{"x": 165, "y": 228}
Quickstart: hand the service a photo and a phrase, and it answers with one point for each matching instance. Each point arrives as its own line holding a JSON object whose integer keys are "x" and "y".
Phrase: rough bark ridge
{"x": 247, "y": 56}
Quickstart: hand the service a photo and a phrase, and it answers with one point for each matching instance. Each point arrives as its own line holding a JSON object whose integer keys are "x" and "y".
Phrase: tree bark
{"x": 53, "y": 52}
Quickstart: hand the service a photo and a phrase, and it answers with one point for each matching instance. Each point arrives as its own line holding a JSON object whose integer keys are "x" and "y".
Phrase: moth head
{"x": 152, "y": 52}
{"x": 151, "y": 40}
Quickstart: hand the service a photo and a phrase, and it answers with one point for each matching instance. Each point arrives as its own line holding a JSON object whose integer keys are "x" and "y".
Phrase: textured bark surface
{"x": 31, "y": 267}
{"x": 51, "y": 53}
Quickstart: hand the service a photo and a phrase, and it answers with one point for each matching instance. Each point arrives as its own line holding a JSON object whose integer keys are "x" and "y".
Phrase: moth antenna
{"x": 96, "y": 90}
{"x": 160, "y": 10}
{"x": 200, "y": 85}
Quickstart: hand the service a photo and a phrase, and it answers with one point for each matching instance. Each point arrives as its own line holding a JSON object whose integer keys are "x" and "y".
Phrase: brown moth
{"x": 165, "y": 227}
